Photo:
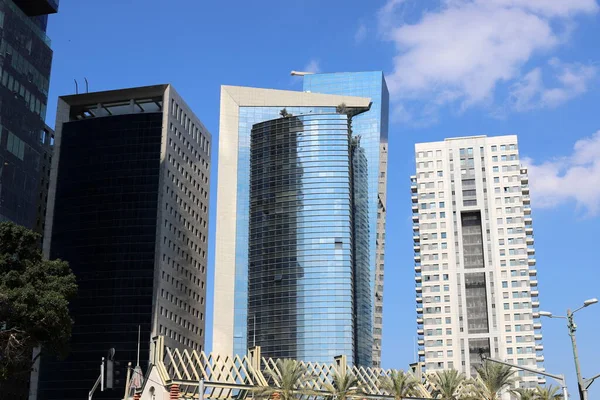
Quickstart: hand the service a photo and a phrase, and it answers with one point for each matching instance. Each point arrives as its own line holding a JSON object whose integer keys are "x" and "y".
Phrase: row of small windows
{"x": 178, "y": 337}
{"x": 188, "y": 176}
{"x": 188, "y": 145}
{"x": 180, "y": 321}
{"x": 35, "y": 105}
{"x": 20, "y": 63}
{"x": 190, "y": 127}
{"x": 178, "y": 302}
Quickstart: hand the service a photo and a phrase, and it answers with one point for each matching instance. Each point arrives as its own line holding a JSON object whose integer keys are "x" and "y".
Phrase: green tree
{"x": 491, "y": 379}
{"x": 344, "y": 385}
{"x": 448, "y": 384}
{"x": 285, "y": 379}
{"x": 399, "y": 384}
{"x": 547, "y": 393}
{"x": 34, "y": 299}
{"x": 525, "y": 394}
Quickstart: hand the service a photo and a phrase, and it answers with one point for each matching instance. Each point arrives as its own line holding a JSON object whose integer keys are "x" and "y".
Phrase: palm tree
{"x": 399, "y": 384}
{"x": 491, "y": 379}
{"x": 547, "y": 393}
{"x": 447, "y": 384}
{"x": 525, "y": 394}
{"x": 286, "y": 378}
{"x": 344, "y": 385}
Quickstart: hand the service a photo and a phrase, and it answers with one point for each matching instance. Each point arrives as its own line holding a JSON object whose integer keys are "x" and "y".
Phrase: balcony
{"x": 415, "y": 208}
{"x": 537, "y": 325}
{"x": 539, "y": 347}
{"x": 415, "y": 218}
{"x": 419, "y": 288}
{"x": 417, "y": 248}
{"x": 420, "y": 332}
{"x": 537, "y": 336}
{"x": 525, "y": 189}
{"x": 526, "y": 199}
{"x": 535, "y": 303}
{"x": 539, "y": 358}
{"x": 416, "y": 226}
{"x": 530, "y": 250}
{"x": 533, "y": 282}
{"x": 528, "y": 229}
{"x": 528, "y": 220}
{"x": 535, "y": 315}
{"x": 419, "y": 300}
{"x": 419, "y": 311}
{"x": 526, "y": 209}
{"x": 529, "y": 239}
{"x": 531, "y": 261}
{"x": 524, "y": 178}
{"x": 416, "y": 237}
{"x": 414, "y": 198}
{"x": 417, "y": 257}
{"x": 418, "y": 278}
{"x": 417, "y": 268}
{"x": 421, "y": 342}
{"x": 420, "y": 321}
{"x": 421, "y": 352}
{"x": 535, "y": 293}
{"x": 533, "y": 272}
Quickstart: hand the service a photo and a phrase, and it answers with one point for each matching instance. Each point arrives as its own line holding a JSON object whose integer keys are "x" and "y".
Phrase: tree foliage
{"x": 547, "y": 393}
{"x": 34, "y": 298}
{"x": 399, "y": 384}
{"x": 286, "y": 378}
{"x": 491, "y": 379}
{"x": 448, "y": 384}
{"x": 345, "y": 385}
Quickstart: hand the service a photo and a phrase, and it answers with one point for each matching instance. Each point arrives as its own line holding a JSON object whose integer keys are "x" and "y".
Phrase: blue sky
{"x": 454, "y": 68}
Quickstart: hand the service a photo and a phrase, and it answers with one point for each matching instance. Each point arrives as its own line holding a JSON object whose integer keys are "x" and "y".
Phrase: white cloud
{"x": 575, "y": 177}
{"x": 312, "y": 66}
{"x": 460, "y": 52}
{"x": 531, "y": 93}
{"x": 361, "y": 34}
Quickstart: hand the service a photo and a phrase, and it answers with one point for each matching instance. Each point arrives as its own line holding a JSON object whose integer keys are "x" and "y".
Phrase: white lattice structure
{"x": 176, "y": 374}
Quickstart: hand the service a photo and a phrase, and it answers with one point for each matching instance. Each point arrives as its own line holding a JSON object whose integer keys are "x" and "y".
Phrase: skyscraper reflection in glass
{"x": 372, "y": 128}
{"x": 294, "y": 203}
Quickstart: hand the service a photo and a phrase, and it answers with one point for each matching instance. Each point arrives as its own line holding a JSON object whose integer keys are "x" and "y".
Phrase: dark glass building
{"x": 128, "y": 210}
{"x": 25, "y": 61}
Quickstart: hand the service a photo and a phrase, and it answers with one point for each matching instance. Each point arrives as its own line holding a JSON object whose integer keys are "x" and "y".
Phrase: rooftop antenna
{"x": 76, "y": 87}
{"x": 138, "y": 348}
{"x": 87, "y": 87}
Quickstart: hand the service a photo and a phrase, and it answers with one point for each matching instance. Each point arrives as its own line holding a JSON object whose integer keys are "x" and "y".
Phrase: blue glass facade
{"x": 372, "y": 129}
{"x": 333, "y": 313}
{"x": 302, "y": 240}
{"x": 248, "y": 116}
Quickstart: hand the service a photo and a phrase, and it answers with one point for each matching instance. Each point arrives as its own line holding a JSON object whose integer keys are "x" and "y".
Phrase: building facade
{"x": 236, "y": 324}
{"x": 372, "y": 127}
{"x": 128, "y": 209}
{"x": 475, "y": 267}
{"x": 24, "y": 77}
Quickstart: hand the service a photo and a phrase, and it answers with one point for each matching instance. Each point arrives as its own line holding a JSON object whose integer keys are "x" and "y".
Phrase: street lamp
{"x": 583, "y": 384}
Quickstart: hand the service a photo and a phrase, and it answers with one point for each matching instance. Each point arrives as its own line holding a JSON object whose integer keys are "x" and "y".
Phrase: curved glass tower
{"x": 302, "y": 257}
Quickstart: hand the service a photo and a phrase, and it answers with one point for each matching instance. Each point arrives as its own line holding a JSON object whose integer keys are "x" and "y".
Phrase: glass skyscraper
{"x": 25, "y": 144}
{"x": 317, "y": 242}
{"x": 372, "y": 128}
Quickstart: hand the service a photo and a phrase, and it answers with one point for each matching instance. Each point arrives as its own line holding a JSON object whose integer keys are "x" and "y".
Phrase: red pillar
{"x": 174, "y": 392}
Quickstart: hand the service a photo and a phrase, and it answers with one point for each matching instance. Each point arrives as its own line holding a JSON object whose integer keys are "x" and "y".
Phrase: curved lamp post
{"x": 583, "y": 384}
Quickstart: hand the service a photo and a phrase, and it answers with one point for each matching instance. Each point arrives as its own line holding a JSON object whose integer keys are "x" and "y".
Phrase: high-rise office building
{"x": 372, "y": 127}
{"x": 24, "y": 77}
{"x": 475, "y": 263}
{"x": 128, "y": 209}
{"x": 298, "y": 203}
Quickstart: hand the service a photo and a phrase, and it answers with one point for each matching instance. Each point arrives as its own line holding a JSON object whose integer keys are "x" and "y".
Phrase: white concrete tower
{"x": 475, "y": 273}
